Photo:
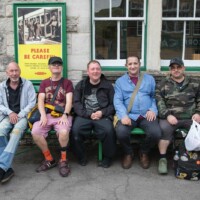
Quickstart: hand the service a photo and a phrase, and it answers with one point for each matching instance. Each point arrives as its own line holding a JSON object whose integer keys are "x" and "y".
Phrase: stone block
{"x": 9, "y": 10}
{"x": 72, "y": 24}
{"x": 84, "y": 40}
{"x": 2, "y": 10}
{"x": 10, "y": 39}
{"x": 2, "y": 43}
{"x": 10, "y": 51}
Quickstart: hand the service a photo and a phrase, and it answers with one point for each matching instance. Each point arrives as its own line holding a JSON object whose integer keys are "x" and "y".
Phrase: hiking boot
{"x": 127, "y": 161}
{"x": 8, "y": 175}
{"x": 105, "y": 163}
{"x": 46, "y": 165}
{"x": 64, "y": 169}
{"x": 162, "y": 166}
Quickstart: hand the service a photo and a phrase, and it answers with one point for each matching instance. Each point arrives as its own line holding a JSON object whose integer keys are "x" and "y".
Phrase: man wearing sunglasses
{"x": 178, "y": 101}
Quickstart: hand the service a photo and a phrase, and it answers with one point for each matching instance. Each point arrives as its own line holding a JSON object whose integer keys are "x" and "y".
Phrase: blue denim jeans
{"x": 10, "y": 134}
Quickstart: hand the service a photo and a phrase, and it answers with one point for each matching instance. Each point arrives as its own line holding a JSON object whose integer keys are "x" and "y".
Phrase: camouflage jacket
{"x": 182, "y": 102}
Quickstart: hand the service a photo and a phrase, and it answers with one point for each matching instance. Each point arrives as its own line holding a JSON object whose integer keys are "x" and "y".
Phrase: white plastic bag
{"x": 192, "y": 140}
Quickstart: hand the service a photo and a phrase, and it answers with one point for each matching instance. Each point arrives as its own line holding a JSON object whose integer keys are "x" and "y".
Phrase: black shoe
{"x": 83, "y": 162}
{"x": 105, "y": 163}
{"x": 2, "y": 172}
{"x": 8, "y": 175}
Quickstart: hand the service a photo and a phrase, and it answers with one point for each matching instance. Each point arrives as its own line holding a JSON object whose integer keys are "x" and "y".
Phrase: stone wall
{"x": 78, "y": 30}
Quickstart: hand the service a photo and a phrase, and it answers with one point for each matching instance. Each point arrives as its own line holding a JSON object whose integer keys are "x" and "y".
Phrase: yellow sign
{"x": 40, "y": 33}
{"x": 33, "y": 60}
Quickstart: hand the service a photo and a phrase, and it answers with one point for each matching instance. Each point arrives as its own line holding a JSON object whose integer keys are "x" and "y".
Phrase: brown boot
{"x": 127, "y": 161}
{"x": 144, "y": 161}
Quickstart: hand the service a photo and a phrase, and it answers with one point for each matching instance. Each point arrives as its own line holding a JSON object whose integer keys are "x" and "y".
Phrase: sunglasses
{"x": 178, "y": 67}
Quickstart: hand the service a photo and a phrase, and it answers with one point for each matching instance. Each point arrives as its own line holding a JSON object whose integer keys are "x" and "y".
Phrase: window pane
{"x": 131, "y": 38}
{"x": 106, "y": 39}
{"x": 169, "y": 8}
{"x": 101, "y": 8}
{"x": 118, "y": 8}
{"x": 198, "y": 9}
{"x": 136, "y": 8}
{"x": 171, "y": 39}
{"x": 192, "y": 49}
{"x": 186, "y": 8}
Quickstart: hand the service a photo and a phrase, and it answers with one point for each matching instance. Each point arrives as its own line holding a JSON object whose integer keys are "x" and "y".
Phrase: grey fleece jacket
{"x": 27, "y": 99}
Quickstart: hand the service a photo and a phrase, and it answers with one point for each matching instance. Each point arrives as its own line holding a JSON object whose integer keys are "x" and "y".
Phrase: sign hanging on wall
{"x": 40, "y": 33}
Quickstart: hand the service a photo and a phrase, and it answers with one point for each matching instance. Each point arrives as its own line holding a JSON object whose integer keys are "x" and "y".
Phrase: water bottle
{"x": 176, "y": 156}
{"x": 184, "y": 157}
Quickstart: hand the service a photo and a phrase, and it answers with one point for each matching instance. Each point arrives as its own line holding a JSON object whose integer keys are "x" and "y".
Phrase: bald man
{"x": 17, "y": 98}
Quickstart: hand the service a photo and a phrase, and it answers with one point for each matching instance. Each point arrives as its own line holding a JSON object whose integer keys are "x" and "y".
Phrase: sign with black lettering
{"x": 40, "y": 33}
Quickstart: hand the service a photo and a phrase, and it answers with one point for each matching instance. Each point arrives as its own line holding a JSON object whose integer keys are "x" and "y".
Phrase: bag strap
{"x": 56, "y": 91}
{"x": 135, "y": 92}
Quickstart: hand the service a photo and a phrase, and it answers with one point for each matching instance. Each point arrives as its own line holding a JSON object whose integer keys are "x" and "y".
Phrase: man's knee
{"x": 122, "y": 132}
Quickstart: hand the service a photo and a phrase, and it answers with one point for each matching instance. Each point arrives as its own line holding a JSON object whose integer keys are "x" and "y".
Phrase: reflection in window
{"x": 196, "y": 28}
{"x": 101, "y": 8}
{"x": 198, "y": 9}
{"x": 131, "y": 41}
{"x": 118, "y": 8}
{"x": 136, "y": 8}
{"x": 186, "y": 8}
{"x": 106, "y": 39}
{"x": 169, "y": 8}
{"x": 171, "y": 39}
{"x": 192, "y": 43}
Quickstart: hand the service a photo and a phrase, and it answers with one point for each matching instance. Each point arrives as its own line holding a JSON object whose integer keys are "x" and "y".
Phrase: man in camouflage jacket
{"x": 178, "y": 101}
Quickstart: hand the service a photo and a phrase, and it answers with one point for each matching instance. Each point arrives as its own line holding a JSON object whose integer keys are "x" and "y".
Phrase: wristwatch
{"x": 66, "y": 114}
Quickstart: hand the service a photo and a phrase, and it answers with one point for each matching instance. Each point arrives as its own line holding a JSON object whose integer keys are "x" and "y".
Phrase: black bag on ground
{"x": 187, "y": 164}
{"x": 188, "y": 170}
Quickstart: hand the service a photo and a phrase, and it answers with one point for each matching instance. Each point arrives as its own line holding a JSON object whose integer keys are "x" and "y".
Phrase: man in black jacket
{"x": 93, "y": 105}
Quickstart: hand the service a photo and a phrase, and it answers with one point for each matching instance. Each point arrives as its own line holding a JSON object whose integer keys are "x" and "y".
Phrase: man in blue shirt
{"x": 142, "y": 114}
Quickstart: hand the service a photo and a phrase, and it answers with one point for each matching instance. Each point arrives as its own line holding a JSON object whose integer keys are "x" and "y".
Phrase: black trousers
{"x": 152, "y": 131}
{"x": 103, "y": 130}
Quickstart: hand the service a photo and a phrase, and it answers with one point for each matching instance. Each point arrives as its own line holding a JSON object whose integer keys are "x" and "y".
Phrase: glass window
{"x": 169, "y": 8}
{"x": 118, "y": 8}
{"x": 192, "y": 45}
{"x": 131, "y": 41}
{"x": 102, "y": 8}
{"x": 186, "y": 8}
{"x": 198, "y": 9}
{"x": 118, "y": 30}
{"x": 180, "y": 36}
{"x": 172, "y": 39}
{"x": 106, "y": 39}
{"x": 136, "y": 8}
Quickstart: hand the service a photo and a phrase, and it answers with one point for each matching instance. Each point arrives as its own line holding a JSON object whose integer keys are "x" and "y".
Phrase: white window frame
{"x": 118, "y": 62}
{"x": 188, "y": 63}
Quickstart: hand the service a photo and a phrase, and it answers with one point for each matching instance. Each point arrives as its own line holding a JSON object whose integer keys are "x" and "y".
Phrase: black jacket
{"x": 105, "y": 94}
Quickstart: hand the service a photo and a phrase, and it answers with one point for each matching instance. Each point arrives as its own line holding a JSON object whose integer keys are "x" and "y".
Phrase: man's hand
{"x": 150, "y": 115}
{"x": 126, "y": 121}
{"x": 43, "y": 120}
{"x": 13, "y": 118}
{"x": 96, "y": 115}
{"x": 172, "y": 120}
{"x": 196, "y": 117}
{"x": 63, "y": 120}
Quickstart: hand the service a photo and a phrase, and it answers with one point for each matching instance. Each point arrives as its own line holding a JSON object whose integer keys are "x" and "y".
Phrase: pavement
{"x": 92, "y": 182}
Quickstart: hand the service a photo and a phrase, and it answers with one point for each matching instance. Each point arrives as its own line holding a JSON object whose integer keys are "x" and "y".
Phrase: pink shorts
{"x": 52, "y": 122}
